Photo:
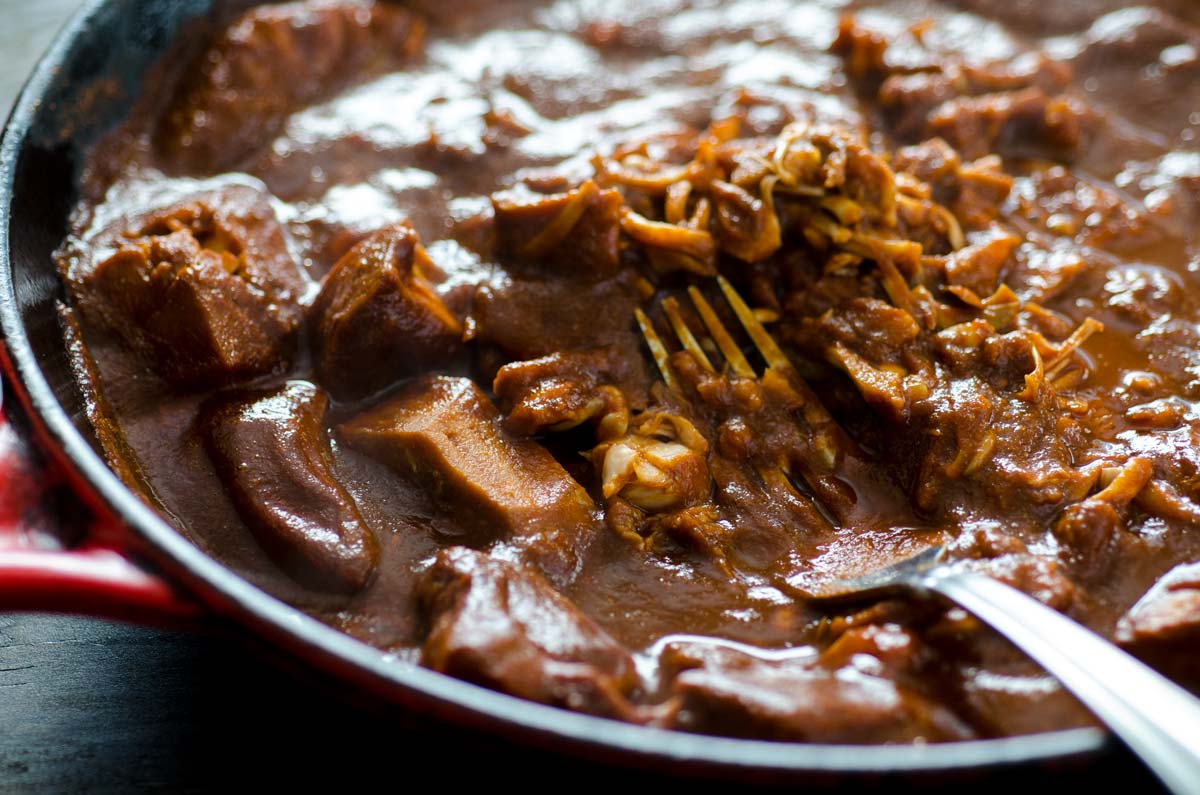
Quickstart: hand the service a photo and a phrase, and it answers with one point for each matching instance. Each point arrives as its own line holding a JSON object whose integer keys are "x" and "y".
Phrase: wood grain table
{"x": 90, "y": 706}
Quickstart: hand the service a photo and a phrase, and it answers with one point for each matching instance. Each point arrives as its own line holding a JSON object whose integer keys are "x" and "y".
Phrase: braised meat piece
{"x": 975, "y": 192}
{"x": 1020, "y": 107}
{"x": 560, "y": 391}
{"x": 447, "y": 435}
{"x": 800, "y": 695}
{"x": 576, "y": 231}
{"x": 911, "y": 98}
{"x": 524, "y": 319}
{"x": 1164, "y": 625}
{"x": 271, "y": 451}
{"x": 979, "y": 265}
{"x": 377, "y": 318}
{"x": 502, "y": 626}
{"x": 204, "y": 290}
{"x": 1006, "y": 121}
{"x": 271, "y": 61}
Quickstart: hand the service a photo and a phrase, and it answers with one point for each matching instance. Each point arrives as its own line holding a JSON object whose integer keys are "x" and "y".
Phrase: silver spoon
{"x": 1156, "y": 718}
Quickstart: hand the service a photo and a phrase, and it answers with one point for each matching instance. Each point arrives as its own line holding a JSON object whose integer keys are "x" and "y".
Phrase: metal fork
{"x": 813, "y": 477}
{"x": 1157, "y": 719}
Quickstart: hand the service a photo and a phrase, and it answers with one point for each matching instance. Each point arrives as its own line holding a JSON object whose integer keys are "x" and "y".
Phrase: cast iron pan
{"x": 124, "y": 561}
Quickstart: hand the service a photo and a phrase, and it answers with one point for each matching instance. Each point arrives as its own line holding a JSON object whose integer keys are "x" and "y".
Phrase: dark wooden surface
{"x": 89, "y": 706}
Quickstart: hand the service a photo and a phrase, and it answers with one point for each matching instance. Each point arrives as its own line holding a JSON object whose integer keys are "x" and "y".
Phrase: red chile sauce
{"x": 352, "y": 297}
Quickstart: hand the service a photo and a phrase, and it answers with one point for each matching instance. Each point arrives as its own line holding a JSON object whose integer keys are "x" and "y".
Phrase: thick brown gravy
{"x": 958, "y": 197}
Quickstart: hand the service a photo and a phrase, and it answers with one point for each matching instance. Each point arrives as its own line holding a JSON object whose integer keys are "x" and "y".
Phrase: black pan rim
{"x": 234, "y": 598}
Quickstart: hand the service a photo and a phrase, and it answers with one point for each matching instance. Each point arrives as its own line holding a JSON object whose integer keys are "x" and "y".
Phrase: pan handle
{"x": 94, "y": 574}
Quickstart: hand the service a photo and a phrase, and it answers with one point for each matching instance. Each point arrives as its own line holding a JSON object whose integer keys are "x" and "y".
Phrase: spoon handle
{"x": 1156, "y": 718}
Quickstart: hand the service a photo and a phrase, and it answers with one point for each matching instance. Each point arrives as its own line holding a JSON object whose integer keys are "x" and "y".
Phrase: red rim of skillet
{"x": 83, "y": 50}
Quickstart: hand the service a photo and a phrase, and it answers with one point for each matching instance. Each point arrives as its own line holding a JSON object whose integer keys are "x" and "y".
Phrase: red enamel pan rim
{"x": 232, "y": 598}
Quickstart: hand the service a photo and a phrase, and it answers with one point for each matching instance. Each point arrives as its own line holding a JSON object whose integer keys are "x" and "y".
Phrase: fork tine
{"x": 827, "y": 438}
{"x": 729, "y": 348}
{"x": 686, "y": 339}
{"x": 823, "y": 503}
{"x": 761, "y": 337}
{"x": 814, "y": 515}
{"x": 657, "y": 349}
